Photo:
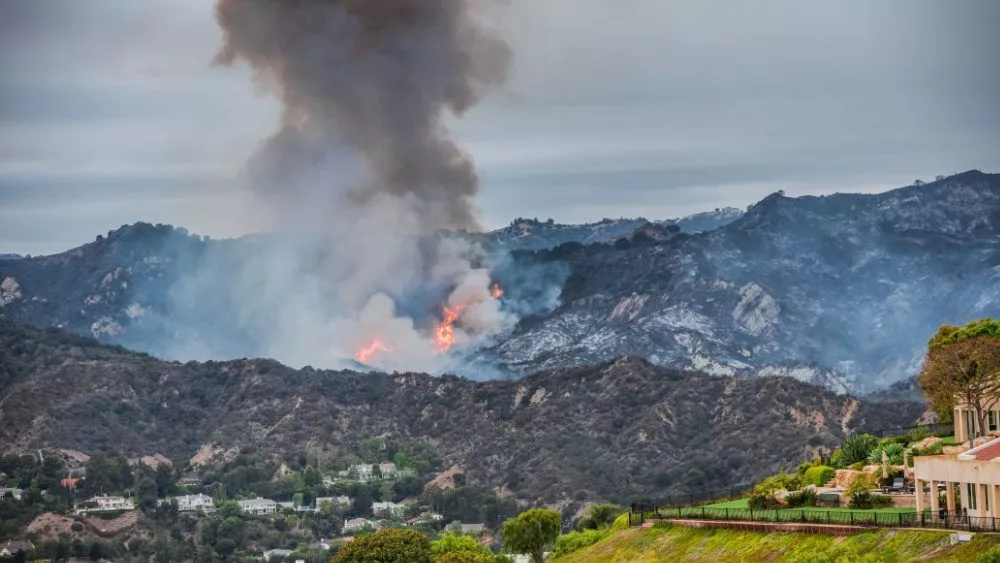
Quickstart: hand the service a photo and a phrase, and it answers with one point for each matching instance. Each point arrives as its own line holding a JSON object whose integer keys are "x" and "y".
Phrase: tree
{"x": 599, "y": 516}
{"x": 459, "y": 547}
{"x": 531, "y": 532}
{"x": 386, "y": 546}
{"x": 963, "y": 365}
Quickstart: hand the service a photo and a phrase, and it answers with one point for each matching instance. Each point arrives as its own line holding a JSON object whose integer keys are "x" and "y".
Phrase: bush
{"x": 819, "y": 475}
{"x": 990, "y": 556}
{"x": 573, "y": 541}
{"x": 386, "y": 546}
{"x": 868, "y": 499}
{"x": 837, "y": 459}
{"x": 762, "y": 495}
{"x": 856, "y": 448}
{"x": 803, "y": 467}
{"x": 803, "y": 498}
{"x": 893, "y": 450}
{"x": 861, "y": 484}
{"x": 76, "y": 527}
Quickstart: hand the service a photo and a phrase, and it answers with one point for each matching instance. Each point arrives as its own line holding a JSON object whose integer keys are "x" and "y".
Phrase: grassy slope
{"x": 678, "y": 543}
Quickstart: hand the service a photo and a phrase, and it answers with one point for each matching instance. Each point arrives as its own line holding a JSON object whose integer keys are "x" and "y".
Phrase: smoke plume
{"x": 362, "y": 177}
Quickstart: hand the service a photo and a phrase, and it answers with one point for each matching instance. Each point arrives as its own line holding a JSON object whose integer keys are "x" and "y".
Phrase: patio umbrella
{"x": 885, "y": 465}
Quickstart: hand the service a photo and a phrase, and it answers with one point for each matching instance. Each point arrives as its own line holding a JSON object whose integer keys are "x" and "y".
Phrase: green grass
{"x": 678, "y": 543}
{"x": 742, "y": 503}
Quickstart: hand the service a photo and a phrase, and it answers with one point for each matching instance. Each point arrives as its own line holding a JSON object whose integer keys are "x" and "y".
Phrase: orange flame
{"x": 367, "y": 353}
{"x": 496, "y": 291}
{"x": 444, "y": 331}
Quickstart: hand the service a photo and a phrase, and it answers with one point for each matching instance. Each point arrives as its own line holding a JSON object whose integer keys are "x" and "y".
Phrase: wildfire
{"x": 496, "y": 291}
{"x": 444, "y": 331}
{"x": 367, "y": 353}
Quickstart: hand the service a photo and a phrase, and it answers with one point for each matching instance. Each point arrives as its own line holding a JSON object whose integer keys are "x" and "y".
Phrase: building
{"x": 16, "y": 494}
{"x": 388, "y": 509}
{"x": 362, "y": 472}
{"x": 388, "y": 470}
{"x": 472, "y": 528}
{"x": 194, "y": 503}
{"x": 258, "y": 506}
{"x": 104, "y": 504}
{"x": 357, "y": 524}
{"x": 973, "y": 476}
{"x": 277, "y": 553}
{"x": 10, "y": 548}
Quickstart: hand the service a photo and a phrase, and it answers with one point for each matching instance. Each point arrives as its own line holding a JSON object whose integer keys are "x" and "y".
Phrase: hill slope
{"x": 841, "y": 291}
{"x": 678, "y": 543}
{"x": 615, "y": 431}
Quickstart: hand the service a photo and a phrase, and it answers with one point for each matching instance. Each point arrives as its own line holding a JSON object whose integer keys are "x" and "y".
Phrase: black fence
{"x": 693, "y": 500}
{"x": 941, "y": 520}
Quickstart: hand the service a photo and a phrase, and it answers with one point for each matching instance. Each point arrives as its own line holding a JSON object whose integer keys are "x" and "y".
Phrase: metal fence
{"x": 957, "y": 520}
{"x": 692, "y": 500}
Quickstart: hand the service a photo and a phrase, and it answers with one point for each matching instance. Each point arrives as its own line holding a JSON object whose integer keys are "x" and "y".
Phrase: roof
{"x": 986, "y": 452}
{"x": 472, "y": 527}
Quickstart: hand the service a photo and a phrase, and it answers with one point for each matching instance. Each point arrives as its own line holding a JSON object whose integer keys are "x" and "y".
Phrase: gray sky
{"x": 110, "y": 111}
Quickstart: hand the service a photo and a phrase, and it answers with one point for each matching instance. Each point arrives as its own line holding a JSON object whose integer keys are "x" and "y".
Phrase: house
{"x": 388, "y": 470}
{"x": 472, "y": 528}
{"x": 104, "y": 504}
{"x": 973, "y": 476}
{"x": 357, "y": 524}
{"x": 194, "y": 503}
{"x": 10, "y": 548}
{"x": 332, "y": 502}
{"x": 424, "y": 518}
{"x": 16, "y": 494}
{"x": 276, "y": 553}
{"x": 388, "y": 509}
{"x": 258, "y": 506}
{"x": 362, "y": 472}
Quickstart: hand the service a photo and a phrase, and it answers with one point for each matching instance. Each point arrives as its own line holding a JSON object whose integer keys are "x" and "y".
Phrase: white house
{"x": 194, "y": 503}
{"x": 388, "y": 509}
{"x": 276, "y": 553}
{"x": 472, "y": 528}
{"x": 258, "y": 506}
{"x": 16, "y": 494}
{"x": 10, "y": 548}
{"x": 356, "y": 524}
{"x": 361, "y": 472}
{"x": 388, "y": 470}
{"x": 105, "y": 504}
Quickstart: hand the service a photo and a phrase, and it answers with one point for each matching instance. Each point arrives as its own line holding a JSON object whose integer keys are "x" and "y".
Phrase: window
{"x": 992, "y": 416}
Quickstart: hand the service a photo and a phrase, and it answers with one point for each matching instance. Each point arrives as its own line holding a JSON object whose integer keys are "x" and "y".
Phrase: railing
{"x": 691, "y": 500}
{"x": 957, "y": 520}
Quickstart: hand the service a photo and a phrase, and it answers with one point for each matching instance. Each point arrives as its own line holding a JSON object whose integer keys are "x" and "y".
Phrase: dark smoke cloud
{"x": 366, "y": 87}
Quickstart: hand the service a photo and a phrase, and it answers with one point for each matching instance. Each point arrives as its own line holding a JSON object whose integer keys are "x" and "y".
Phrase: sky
{"x": 112, "y": 112}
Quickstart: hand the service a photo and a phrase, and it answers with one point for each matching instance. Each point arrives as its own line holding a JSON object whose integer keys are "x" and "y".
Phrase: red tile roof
{"x": 986, "y": 452}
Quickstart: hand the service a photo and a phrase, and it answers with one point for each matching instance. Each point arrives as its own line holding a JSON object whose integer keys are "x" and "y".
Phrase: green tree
{"x": 599, "y": 516}
{"x": 459, "y": 547}
{"x": 963, "y": 366}
{"x": 386, "y": 546}
{"x": 146, "y": 491}
{"x": 857, "y": 448}
{"x": 531, "y": 532}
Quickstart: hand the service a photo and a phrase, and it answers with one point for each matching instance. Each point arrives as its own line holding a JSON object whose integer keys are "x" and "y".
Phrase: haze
{"x": 111, "y": 112}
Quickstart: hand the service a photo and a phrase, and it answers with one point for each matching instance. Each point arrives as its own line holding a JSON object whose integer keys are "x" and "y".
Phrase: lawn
{"x": 742, "y": 503}
{"x": 677, "y": 543}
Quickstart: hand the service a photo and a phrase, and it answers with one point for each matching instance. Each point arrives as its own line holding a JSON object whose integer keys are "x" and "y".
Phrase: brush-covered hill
{"x": 618, "y": 430}
{"x": 840, "y": 291}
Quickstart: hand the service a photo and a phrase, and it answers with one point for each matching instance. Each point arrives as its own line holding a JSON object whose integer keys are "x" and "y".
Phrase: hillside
{"x": 616, "y": 431}
{"x": 678, "y": 543}
{"x": 841, "y": 291}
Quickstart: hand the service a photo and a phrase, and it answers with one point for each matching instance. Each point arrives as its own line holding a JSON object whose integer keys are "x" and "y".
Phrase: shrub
{"x": 805, "y": 497}
{"x": 856, "y": 466}
{"x": 620, "y": 524}
{"x": 990, "y": 556}
{"x": 573, "y": 541}
{"x": 856, "y": 448}
{"x": 803, "y": 467}
{"x": 893, "y": 450}
{"x": 76, "y": 527}
{"x": 837, "y": 459}
{"x": 386, "y": 546}
{"x": 819, "y": 475}
{"x": 868, "y": 499}
{"x": 459, "y": 547}
{"x": 861, "y": 484}
{"x": 762, "y": 495}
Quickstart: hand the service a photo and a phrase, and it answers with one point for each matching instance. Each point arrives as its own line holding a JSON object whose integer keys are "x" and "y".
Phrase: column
{"x": 981, "y": 500}
{"x": 960, "y": 433}
{"x": 949, "y": 493}
{"x": 963, "y": 489}
{"x": 935, "y": 503}
{"x": 918, "y": 495}
{"x": 995, "y": 490}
